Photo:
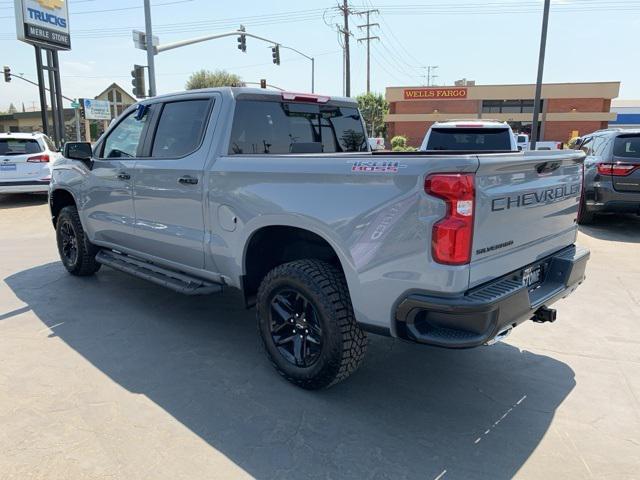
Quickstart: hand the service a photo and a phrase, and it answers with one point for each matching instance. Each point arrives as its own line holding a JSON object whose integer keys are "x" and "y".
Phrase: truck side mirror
{"x": 77, "y": 151}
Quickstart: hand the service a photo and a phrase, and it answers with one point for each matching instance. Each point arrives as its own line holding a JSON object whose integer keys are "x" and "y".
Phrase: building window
{"x": 508, "y": 106}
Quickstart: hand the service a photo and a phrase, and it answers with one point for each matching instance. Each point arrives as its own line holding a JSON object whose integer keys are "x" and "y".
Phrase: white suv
{"x": 25, "y": 160}
{"x": 470, "y": 135}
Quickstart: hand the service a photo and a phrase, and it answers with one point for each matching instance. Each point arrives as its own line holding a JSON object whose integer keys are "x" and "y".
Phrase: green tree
{"x": 208, "y": 79}
{"x": 374, "y": 108}
{"x": 399, "y": 144}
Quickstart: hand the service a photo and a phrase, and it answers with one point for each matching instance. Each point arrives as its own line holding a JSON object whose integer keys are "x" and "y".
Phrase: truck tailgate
{"x": 526, "y": 208}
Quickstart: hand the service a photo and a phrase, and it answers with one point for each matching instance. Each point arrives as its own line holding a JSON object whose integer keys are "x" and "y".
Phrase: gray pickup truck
{"x": 278, "y": 195}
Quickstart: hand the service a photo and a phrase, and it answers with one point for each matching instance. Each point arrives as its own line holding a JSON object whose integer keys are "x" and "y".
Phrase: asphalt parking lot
{"x": 112, "y": 377}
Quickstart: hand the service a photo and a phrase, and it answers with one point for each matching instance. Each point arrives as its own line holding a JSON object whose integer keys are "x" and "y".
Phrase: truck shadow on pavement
{"x": 19, "y": 200}
{"x": 616, "y": 228}
{"x": 409, "y": 412}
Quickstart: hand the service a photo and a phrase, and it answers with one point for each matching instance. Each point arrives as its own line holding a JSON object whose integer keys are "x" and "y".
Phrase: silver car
{"x": 25, "y": 162}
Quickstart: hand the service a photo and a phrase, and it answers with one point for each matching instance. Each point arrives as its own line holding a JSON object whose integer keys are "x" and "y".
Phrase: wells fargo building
{"x": 567, "y": 108}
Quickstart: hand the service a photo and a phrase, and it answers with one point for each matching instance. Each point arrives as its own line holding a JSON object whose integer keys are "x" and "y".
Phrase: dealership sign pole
{"x": 45, "y": 25}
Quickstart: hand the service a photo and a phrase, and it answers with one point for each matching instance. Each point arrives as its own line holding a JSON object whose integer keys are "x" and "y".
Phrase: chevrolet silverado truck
{"x": 278, "y": 195}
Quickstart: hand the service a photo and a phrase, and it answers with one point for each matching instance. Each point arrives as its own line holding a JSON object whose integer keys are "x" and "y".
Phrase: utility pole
{"x": 368, "y": 39}
{"x": 148, "y": 33}
{"x": 346, "y": 53}
{"x": 430, "y": 76}
{"x": 536, "y": 102}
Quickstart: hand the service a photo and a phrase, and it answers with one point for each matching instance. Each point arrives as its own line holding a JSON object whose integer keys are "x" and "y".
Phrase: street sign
{"x": 75, "y": 104}
{"x": 44, "y": 23}
{"x": 96, "y": 109}
{"x": 140, "y": 40}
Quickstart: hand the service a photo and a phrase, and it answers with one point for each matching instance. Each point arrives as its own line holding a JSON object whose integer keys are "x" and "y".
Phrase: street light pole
{"x": 536, "y": 103}
{"x": 148, "y": 33}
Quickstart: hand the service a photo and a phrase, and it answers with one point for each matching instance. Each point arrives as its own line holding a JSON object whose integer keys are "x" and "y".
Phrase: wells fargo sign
{"x": 435, "y": 93}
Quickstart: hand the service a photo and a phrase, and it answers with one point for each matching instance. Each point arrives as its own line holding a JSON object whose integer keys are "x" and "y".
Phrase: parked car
{"x": 239, "y": 187}
{"x": 469, "y": 135}
{"x": 25, "y": 160}
{"x": 548, "y": 145}
{"x": 522, "y": 141}
{"x": 611, "y": 173}
{"x": 376, "y": 143}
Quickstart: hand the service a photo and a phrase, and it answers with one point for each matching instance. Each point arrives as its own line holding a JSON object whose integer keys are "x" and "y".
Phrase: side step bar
{"x": 178, "y": 282}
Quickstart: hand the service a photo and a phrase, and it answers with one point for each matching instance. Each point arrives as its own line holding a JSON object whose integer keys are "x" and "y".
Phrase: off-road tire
{"x": 84, "y": 262}
{"x": 343, "y": 343}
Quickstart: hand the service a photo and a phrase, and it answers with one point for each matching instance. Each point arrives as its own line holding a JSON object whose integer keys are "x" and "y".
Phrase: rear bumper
{"x": 482, "y": 313}
{"x": 606, "y": 199}
{"x": 24, "y": 187}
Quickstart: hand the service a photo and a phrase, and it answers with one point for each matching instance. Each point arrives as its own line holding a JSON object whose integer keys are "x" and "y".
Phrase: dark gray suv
{"x": 611, "y": 173}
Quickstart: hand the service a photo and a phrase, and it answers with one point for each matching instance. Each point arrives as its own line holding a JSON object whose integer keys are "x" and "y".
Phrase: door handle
{"x": 124, "y": 176}
{"x": 188, "y": 180}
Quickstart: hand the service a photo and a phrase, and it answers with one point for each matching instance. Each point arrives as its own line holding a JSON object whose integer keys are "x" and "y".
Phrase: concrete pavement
{"x": 111, "y": 377}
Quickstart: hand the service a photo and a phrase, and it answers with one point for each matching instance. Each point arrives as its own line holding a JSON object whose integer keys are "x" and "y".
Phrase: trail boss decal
{"x": 371, "y": 166}
{"x": 532, "y": 198}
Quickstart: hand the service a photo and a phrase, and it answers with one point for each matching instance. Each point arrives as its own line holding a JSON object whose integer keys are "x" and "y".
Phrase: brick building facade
{"x": 567, "y": 108}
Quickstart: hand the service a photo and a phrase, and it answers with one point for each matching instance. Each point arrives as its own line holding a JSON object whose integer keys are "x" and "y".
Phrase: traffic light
{"x": 7, "y": 73}
{"x": 275, "y": 53}
{"x": 263, "y": 83}
{"x": 138, "y": 81}
{"x": 242, "y": 40}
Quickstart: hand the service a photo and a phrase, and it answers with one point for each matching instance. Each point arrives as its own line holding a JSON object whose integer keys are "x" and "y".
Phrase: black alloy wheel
{"x": 295, "y": 327}
{"x": 69, "y": 239}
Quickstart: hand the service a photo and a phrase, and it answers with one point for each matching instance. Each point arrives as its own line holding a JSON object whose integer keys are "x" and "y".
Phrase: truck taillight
{"x": 452, "y": 236}
{"x": 305, "y": 97}
{"x": 616, "y": 169}
{"x": 39, "y": 159}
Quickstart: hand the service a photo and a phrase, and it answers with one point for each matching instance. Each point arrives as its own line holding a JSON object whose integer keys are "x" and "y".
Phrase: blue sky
{"x": 491, "y": 41}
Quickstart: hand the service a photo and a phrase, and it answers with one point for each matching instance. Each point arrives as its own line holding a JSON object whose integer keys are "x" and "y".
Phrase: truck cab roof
{"x": 250, "y": 92}
{"x": 470, "y": 123}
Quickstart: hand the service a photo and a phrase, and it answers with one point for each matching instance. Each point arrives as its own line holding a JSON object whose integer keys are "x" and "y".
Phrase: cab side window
{"x": 124, "y": 140}
{"x": 180, "y": 128}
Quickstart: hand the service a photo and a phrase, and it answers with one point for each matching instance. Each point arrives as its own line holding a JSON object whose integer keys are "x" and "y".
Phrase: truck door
{"x": 169, "y": 183}
{"x": 108, "y": 201}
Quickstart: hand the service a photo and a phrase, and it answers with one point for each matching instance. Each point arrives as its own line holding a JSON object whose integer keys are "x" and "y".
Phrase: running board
{"x": 178, "y": 282}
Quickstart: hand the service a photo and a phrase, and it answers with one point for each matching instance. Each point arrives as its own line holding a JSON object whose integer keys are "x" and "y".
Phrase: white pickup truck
{"x": 469, "y": 135}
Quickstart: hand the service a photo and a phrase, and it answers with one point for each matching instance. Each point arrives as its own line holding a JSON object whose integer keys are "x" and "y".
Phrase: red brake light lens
{"x": 305, "y": 97}
{"x": 616, "y": 169}
{"x": 452, "y": 236}
{"x": 39, "y": 159}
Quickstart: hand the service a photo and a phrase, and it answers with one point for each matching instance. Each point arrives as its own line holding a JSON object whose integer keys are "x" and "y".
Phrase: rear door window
{"x": 469, "y": 139}
{"x": 627, "y": 146}
{"x": 261, "y": 127}
{"x": 19, "y": 146}
{"x": 180, "y": 128}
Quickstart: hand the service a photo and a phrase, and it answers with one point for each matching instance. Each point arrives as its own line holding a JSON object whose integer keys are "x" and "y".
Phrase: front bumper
{"x": 482, "y": 313}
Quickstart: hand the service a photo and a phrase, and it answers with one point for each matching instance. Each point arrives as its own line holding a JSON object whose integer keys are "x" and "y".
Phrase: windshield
{"x": 627, "y": 146}
{"x": 19, "y": 146}
{"x": 469, "y": 139}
